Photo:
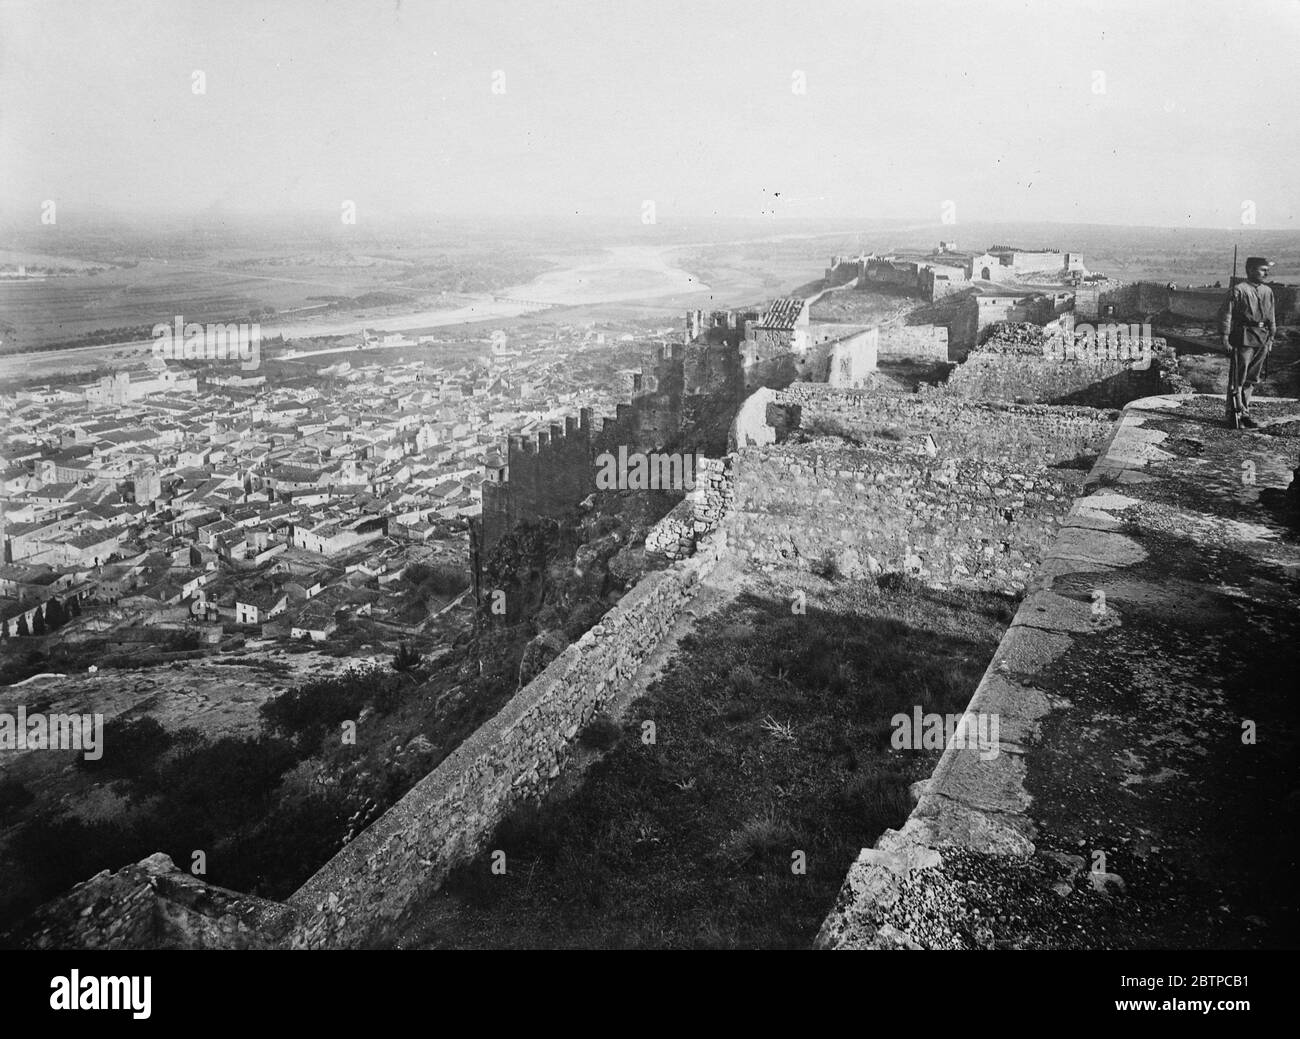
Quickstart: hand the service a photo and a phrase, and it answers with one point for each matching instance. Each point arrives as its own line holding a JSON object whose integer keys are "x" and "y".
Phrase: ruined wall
{"x": 894, "y": 342}
{"x": 959, "y": 523}
{"x": 1089, "y": 298}
{"x": 1038, "y": 433}
{"x": 1142, "y": 299}
{"x": 884, "y": 273}
{"x": 154, "y": 905}
{"x": 1202, "y": 304}
{"x": 992, "y": 309}
{"x": 360, "y": 897}
{"x": 714, "y": 368}
{"x": 852, "y": 360}
{"x": 954, "y": 495}
{"x": 1103, "y": 376}
{"x": 914, "y": 342}
{"x": 696, "y": 516}
{"x": 961, "y": 317}
{"x": 769, "y": 360}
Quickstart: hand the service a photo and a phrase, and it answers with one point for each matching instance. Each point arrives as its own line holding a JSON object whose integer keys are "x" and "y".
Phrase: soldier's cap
{"x": 1257, "y": 261}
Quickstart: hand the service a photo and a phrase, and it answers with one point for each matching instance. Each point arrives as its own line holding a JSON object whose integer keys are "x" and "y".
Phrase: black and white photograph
{"x": 650, "y": 475}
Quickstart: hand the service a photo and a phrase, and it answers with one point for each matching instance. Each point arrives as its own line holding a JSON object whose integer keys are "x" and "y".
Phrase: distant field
{"x": 298, "y": 280}
{"x": 225, "y": 286}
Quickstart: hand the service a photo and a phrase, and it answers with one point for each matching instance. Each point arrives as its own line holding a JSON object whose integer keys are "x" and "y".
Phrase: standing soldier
{"x": 1247, "y": 323}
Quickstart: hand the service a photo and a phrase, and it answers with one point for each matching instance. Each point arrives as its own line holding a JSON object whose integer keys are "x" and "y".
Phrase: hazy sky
{"x": 993, "y": 105}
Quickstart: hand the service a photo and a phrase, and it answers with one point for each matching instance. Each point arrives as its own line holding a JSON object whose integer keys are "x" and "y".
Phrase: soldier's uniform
{"x": 1249, "y": 320}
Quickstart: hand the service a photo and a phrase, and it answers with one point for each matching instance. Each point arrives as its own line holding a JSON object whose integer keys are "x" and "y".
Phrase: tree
{"x": 74, "y": 607}
{"x": 406, "y": 660}
{"x": 38, "y": 623}
{"x": 55, "y": 616}
{"x": 22, "y": 629}
{"x": 4, "y": 629}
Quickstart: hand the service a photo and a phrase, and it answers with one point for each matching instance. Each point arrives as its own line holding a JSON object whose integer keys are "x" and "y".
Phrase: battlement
{"x": 548, "y": 472}
{"x": 726, "y": 324}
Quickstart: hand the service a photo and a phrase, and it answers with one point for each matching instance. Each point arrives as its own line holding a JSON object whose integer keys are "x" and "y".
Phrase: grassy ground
{"x": 771, "y": 737}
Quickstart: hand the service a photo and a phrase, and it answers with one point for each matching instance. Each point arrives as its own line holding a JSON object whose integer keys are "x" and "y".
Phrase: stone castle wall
{"x": 1140, "y": 299}
{"x": 914, "y": 342}
{"x": 360, "y": 897}
{"x": 551, "y": 471}
{"x": 696, "y": 516}
{"x": 1022, "y": 363}
{"x": 952, "y": 494}
{"x": 153, "y": 905}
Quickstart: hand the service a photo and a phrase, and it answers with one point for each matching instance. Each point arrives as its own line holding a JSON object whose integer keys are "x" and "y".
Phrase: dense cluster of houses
{"x": 282, "y": 504}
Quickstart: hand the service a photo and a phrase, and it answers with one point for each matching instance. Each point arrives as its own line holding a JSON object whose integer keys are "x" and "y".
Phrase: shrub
{"x": 285, "y": 848}
{"x": 744, "y": 682}
{"x": 876, "y": 800}
{"x": 308, "y": 712}
{"x": 739, "y": 710}
{"x": 225, "y": 783}
{"x": 13, "y": 796}
{"x": 406, "y": 659}
{"x": 826, "y": 566}
{"x": 130, "y": 748}
{"x": 759, "y": 836}
{"x": 602, "y": 733}
{"x": 892, "y": 582}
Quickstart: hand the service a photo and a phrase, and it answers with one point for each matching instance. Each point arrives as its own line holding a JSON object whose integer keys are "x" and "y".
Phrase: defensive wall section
{"x": 549, "y": 472}
{"x": 1112, "y": 675}
{"x": 1103, "y": 369}
{"x": 1095, "y": 302}
{"x": 695, "y": 516}
{"x": 952, "y": 493}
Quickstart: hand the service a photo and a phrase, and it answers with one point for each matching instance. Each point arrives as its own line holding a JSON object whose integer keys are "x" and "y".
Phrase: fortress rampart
{"x": 547, "y": 473}
{"x": 954, "y": 494}
{"x": 1021, "y": 364}
{"x": 1095, "y": 302}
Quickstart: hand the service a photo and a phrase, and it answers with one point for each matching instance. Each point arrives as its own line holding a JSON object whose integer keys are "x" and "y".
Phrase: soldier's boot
{"x": 1233, "y": 413}
{"x": 1247, "y": 422}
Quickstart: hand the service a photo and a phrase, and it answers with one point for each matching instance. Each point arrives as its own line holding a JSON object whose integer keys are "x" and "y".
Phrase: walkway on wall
{"x": 1144, "y": 790}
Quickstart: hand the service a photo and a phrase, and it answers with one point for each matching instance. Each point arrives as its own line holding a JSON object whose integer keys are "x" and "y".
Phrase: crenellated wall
{"x": 549, "y": 472}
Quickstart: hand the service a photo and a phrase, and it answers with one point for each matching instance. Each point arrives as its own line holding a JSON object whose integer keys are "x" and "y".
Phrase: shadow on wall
{"x": 1114, "y": 391}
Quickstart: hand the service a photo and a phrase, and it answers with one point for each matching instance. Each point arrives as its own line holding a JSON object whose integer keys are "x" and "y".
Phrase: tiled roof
{"x": 782, "y": 314}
